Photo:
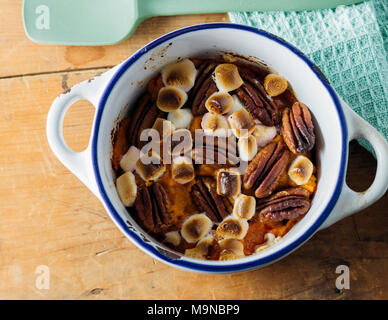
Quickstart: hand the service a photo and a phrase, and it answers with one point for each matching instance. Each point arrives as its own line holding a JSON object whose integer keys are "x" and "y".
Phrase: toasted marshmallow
{"x": 270, "y": 240}
{"x": 180, "y": 142}
{"x": 150, "y": 167}
{"x": 264, "y": 134}
{"x": 237, "y": 105}
{"x": 163, "y": 127}
{"x": 181, "y": 118}
{"x": 129, "y": 159}
{"x": 228, "y": 182}
{"x": 180, "y": 74}
{"x": 219, "y": 103}
{"x": 182, "y": 169}
{"x": 231, "y": 249}
{"x": 241, "y": 123}
{"x": 201, "y": 250}
{"x": 196, "y": 227}
{"x": 173, "y": 237}
{"x": 247, "y": 147}
{"x": 171, "y": 99}
{"x": 232, "y": 228}
{"x": 215, "y": 124}
{"x": 300, "y": 170}
{"x": 127, "y": 188}
{"x": 275, "y": 84}
{"x": 227, "y": 77}
{"x": 244, "y": 207}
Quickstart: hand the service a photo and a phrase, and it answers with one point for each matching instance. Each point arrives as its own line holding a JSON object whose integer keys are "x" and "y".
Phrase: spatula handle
{"x": 150, "y": 8}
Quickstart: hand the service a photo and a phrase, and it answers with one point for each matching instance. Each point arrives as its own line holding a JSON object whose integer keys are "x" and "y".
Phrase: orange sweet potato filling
{"x": 181, "y": 204}
{"x": 120, "y": 143}
{"x": 258, "y": 229}
{"x": 154, "y": 85}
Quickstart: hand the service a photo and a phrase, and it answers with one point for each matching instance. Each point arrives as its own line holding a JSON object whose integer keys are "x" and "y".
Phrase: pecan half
{"x": 297, "y": 128}
{"x": 216, "y": 150}
{"x": 258, "y": 70}
{"x": 253, "y": 96}
{"x": 151, "y": 207}
{"x": 143, "y": 118}
{"x": 204, "y": 195}
{"x": 264, "y": 171}
{"x": 286, "y": 204}
{"x": 204, "y": 87}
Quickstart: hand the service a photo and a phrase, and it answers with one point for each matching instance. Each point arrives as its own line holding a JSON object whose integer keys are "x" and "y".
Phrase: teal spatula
{"x": 101, "y": 22}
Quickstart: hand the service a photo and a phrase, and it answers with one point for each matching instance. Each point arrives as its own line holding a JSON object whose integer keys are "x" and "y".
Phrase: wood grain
{"x": 47, "y": 217}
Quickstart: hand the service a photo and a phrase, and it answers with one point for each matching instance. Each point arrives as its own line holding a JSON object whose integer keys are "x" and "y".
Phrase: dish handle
{"x": 351, "y": 201}
{"x": 79, "y": 163}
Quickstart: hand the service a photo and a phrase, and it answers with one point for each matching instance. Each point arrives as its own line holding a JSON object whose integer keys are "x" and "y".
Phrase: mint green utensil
{"x": 102, "y": 22}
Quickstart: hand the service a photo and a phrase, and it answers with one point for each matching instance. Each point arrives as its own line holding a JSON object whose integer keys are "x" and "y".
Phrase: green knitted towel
{"x": 349, "y": 44}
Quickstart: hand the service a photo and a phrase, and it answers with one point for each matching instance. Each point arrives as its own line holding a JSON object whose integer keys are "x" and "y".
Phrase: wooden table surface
{"x": 48, "y": 217}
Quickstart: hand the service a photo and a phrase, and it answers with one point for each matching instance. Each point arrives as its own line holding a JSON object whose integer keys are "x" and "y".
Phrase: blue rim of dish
{"x": 238, "y": 266}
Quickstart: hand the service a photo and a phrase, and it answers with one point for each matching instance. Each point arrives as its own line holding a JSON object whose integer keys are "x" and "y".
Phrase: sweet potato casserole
{"x": 216, "y": 158}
